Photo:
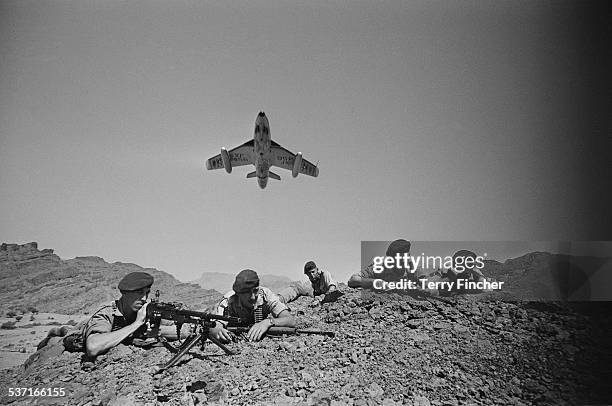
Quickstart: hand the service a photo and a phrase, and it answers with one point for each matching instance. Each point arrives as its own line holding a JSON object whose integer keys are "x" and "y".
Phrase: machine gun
{"x": 203, "y": 322}
{"x": 279, "y": 331}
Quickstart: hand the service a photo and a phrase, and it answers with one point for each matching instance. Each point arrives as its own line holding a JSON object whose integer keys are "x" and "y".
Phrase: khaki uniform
{"x": 322, "y": 285}
{"x": 305, "y": 288}
{"x": 268, "y": 303}
{"x": 109, "y": 318}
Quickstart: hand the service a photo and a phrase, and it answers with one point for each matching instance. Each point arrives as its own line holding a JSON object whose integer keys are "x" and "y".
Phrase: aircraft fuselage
{"x": 261, "y": 147}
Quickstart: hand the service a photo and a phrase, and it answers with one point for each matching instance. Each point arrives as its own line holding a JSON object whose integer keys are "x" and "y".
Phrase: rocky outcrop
{"x": 33, "y": 279}
{"x": 389, "y": 349}
{"x": 545, "y": 276}
{"x": 24, "y": 252}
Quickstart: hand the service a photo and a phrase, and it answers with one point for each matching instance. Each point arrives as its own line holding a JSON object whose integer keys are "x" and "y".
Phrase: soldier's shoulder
{"x": 107, "y": 310}
{"x": 229, "y": 294}
{"x": 267, "y": 292}
{"x": 368, "y": 271}
{"x": 326, "y": 272}
{"x": 268, "y": 296}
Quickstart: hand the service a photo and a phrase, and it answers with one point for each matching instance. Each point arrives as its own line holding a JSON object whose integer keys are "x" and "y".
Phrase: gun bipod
{"x": 189, "y": 343}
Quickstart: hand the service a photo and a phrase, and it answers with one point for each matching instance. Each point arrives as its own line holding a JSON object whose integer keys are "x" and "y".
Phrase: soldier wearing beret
{"x": 320, "y": 279}
{"x": 258, "y": 305}
{"x": 321, "y": 283}
{"x": 124, "y": 319}
{"x": 365, "y": 279}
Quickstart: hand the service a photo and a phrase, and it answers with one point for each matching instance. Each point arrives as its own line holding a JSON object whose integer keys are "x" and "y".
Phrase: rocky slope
{"x": 544, "y": 276}
{"x": 389, "y": 349}
{"x": 38, "y": 279}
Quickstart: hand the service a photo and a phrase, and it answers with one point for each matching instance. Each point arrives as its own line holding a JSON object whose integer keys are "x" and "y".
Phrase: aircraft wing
{"x": 283, "y": 158}
{"x": 241, "y": 155}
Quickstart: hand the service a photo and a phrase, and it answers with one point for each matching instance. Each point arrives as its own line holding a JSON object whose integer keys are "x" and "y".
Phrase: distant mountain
{"x": 222, "y": 282}
{"x": 33, "y": 278}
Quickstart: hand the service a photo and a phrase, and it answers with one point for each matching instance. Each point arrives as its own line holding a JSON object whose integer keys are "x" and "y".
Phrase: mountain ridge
{"x": 39, "y": 279}
{"x": 222, "y": 282}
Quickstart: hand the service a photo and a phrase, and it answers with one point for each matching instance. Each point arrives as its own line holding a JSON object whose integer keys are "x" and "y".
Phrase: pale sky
{"x": 430, "y": 120}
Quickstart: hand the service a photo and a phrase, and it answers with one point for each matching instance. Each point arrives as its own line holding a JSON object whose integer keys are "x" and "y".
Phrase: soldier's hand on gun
{"x": 315, "y": 302}
{"x": 220, "y": 333}
{"x": 141, "y": 316}
{"x": 258, "y": 330}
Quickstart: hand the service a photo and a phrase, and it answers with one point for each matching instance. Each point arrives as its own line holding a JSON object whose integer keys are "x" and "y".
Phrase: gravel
{"x": 389, "y": 349}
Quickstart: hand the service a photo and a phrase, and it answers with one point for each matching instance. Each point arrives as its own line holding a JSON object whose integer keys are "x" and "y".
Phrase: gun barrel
{"x": 318, "y": 332}
{"x": 279, "y": 331}
{"x": 171, "y": 311}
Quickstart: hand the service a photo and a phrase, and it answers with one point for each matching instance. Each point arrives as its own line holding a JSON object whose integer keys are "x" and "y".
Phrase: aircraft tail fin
{"x": 273, "y": 175}
{"x": 252, "y": 174}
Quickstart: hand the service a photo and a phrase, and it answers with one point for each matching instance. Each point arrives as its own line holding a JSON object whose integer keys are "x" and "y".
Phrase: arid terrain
{"x": 39, "y": 290}
{"x": 33, "y": 279}
{"x": 19, "y": 338}
{"x": 389, "y": 349}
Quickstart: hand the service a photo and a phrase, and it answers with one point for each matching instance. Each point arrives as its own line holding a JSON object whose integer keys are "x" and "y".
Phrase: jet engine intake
{"x": 227, "y": 163}
{"x": 297, "y": 164}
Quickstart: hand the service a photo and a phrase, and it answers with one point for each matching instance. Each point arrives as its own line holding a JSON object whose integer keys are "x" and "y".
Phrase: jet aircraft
{"x": 262, "y": 152}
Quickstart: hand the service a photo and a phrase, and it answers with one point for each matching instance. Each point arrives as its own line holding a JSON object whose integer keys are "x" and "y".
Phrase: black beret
{"x": 245, "y": 281}
{"x": 309, "y": 265}
{"x": 135, "y": 281}
{"x": 398, "y": 247}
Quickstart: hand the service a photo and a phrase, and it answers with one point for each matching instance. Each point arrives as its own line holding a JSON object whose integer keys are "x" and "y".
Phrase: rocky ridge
{"x": 39, "y": 279}
{"x": 389, "y": 349}
{"x": 542, "y": 276}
